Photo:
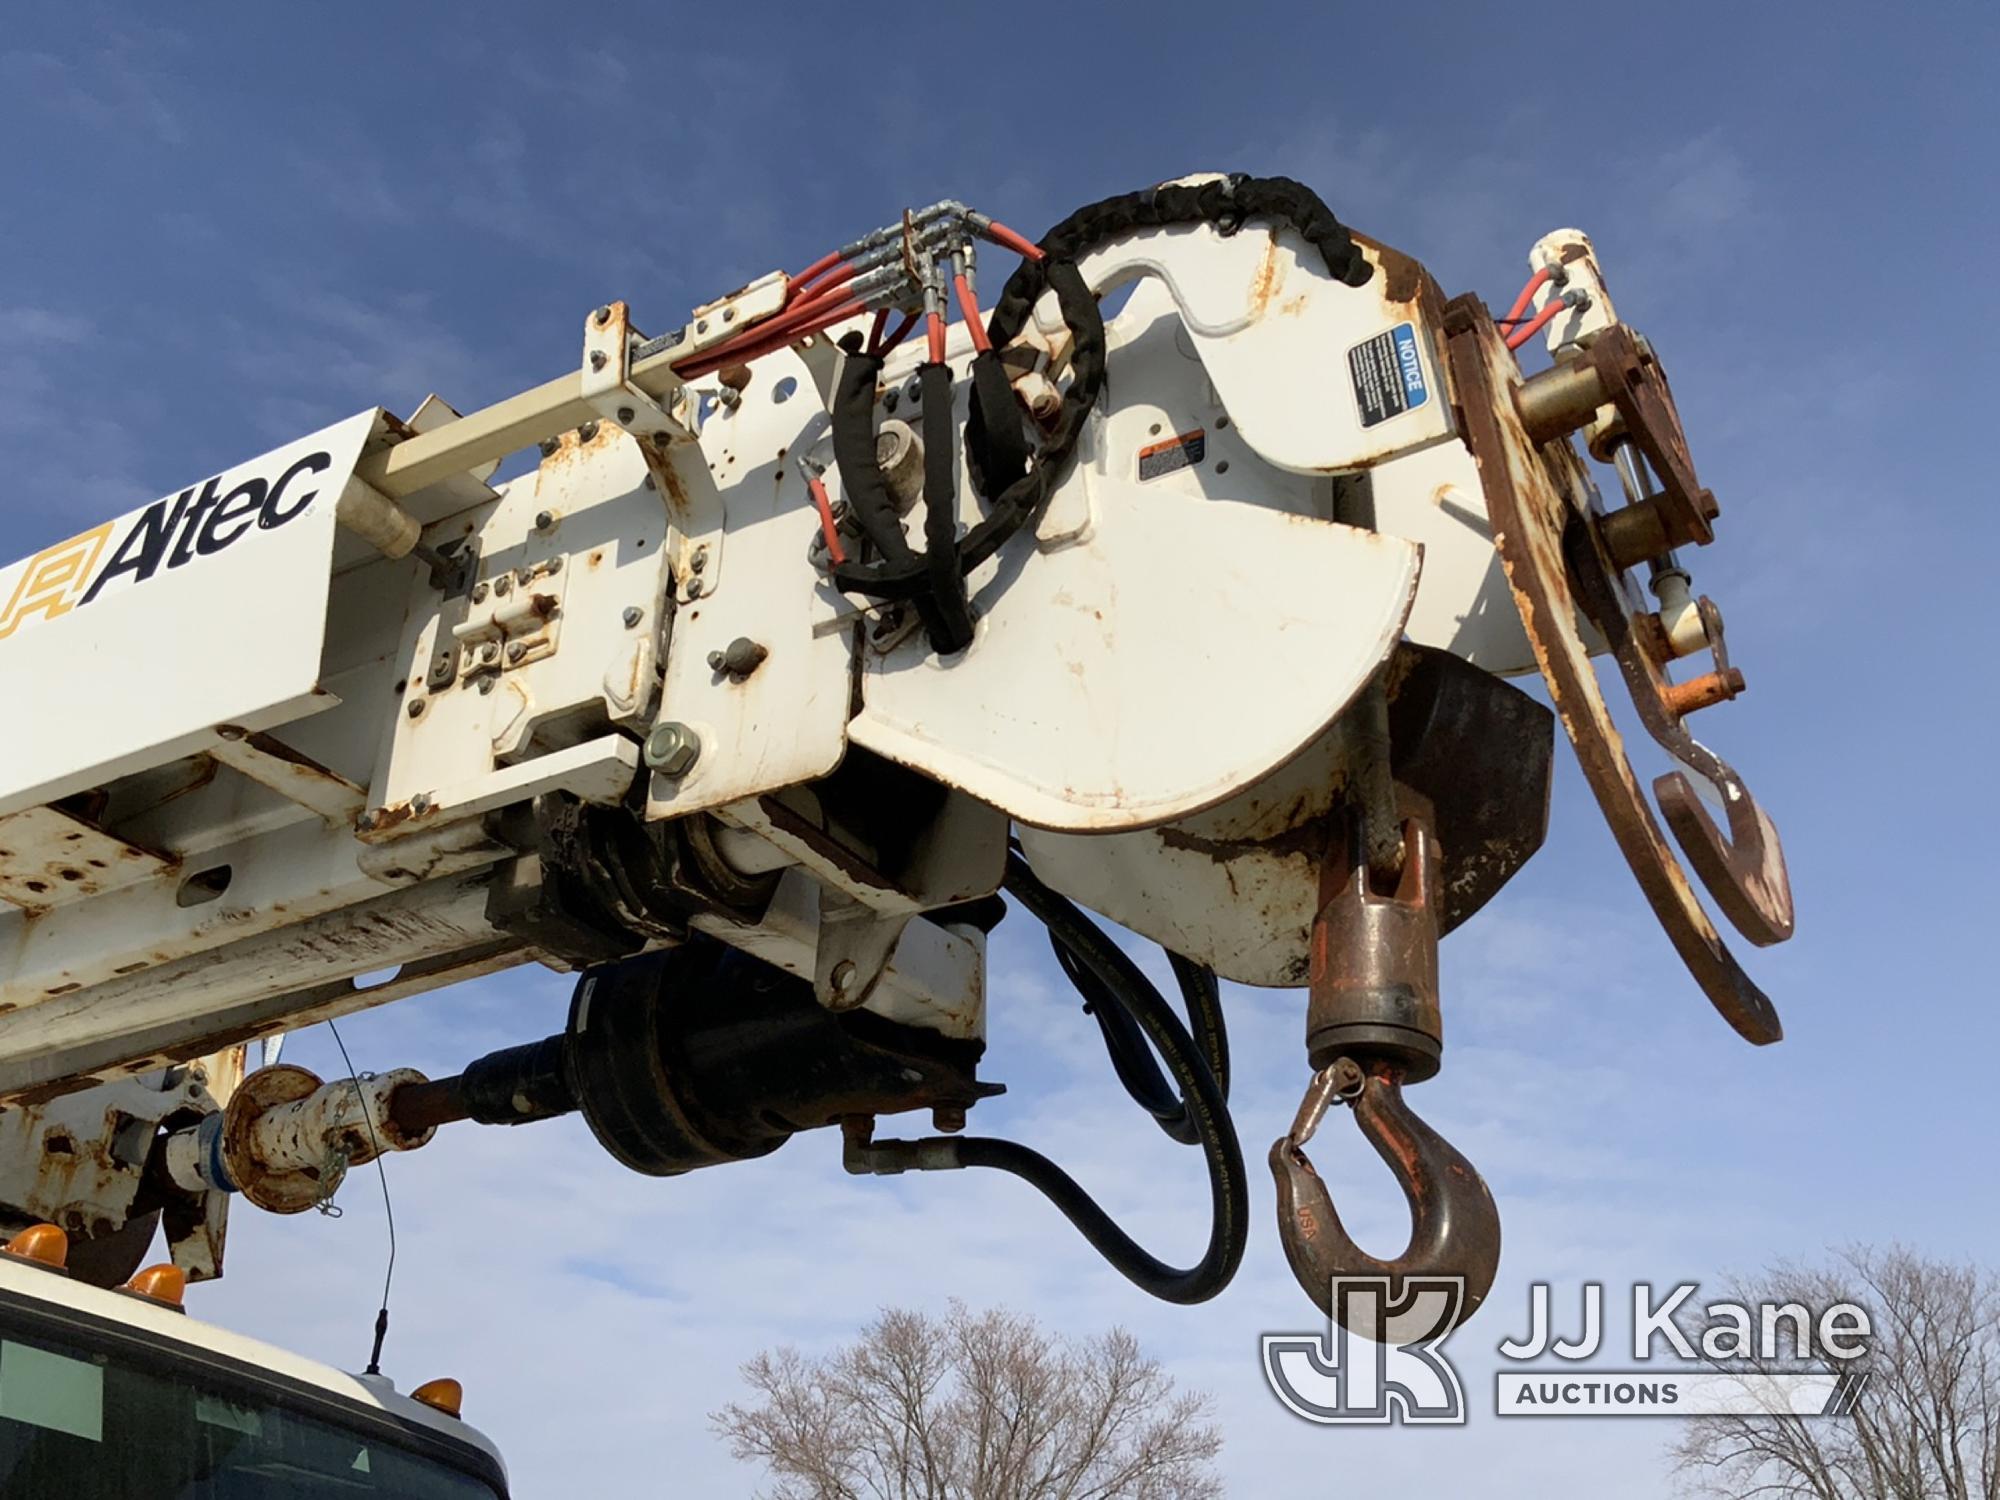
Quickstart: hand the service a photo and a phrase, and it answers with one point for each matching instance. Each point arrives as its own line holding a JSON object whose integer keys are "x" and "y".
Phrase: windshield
{"x": 86, "y": 1419}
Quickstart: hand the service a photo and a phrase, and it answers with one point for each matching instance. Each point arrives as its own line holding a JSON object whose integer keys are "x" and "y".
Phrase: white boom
{"x": 358, "y": 706}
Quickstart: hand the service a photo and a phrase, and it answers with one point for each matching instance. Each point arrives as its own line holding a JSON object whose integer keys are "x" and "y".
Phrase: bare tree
{"x": 973, "y": 1406}
{"x": 1927, "y": 1423}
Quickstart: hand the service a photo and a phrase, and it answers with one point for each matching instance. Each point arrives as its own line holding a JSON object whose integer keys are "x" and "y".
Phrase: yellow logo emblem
{"x": 53, "y": 579}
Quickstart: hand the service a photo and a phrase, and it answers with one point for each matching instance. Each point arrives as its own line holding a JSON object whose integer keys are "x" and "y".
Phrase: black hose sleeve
{"x": 1225, "y": 202}
{"x": 861, "y": 477}
{"x": 1207, "y": 1110}
{"x": 996, "y": 448}
{"x": 950, "y": 624}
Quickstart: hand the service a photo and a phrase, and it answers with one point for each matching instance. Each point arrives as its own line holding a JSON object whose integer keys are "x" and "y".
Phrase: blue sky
{"x": 222, "y": 234}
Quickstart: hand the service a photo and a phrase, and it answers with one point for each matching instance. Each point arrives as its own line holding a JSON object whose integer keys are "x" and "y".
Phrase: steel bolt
{"x": 421, "y": 803}
{"x": 549, "y": 446}
{"x": 694, "y": 588}
{"x": 587, "y": 431}
{"x": 672, "y": 749}
{"x": 516, "y": 651}
{"x": 702, "y": 326}
{"x": 490, "y": 652}
{"x": 715, "y": 661}
{"x": 729, "y": 315}
{"x": 552, "y": 566}
{"x": 948, "y": 1118}
{"x": 504, "y": 584}
{"x": 485, "y": 685}
{"x": 603, "y": 315}
{"x": 544, "y": 519}
{"x": 415, "y": 707}
{"x": 597, "y": 359}
{"x": 625, "y": 416}
{"x": 229, "y": 731}
{"x": 700, "y": 560}
{"x": 479, "y": 593}
{"x": 633, "y": 615}
{"x": 364, "y": 822}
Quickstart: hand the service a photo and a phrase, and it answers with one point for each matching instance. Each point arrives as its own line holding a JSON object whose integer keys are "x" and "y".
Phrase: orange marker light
{"x": 442, "y": 1395}
{"x": 162, "y": 1283}
{"x": 41, "y": 1242}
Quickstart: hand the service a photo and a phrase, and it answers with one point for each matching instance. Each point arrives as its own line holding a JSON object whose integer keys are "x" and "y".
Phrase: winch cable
{"x": 1203, "y": 1105}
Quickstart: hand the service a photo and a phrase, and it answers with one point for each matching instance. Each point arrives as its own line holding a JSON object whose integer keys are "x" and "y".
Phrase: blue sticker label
{"x": 1388, "y": 375}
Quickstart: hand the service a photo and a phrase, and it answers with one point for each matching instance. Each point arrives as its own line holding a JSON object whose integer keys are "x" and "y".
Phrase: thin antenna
{"x": 388, "y": 1213}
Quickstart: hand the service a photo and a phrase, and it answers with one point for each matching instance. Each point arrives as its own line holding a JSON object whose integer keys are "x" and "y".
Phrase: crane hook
{"x": 1455, "y": 1230}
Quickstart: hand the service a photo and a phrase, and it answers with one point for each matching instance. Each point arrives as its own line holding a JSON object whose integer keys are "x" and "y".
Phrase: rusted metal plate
{"x": 50, "y": 858}
{"x": 1237, "y": 887}
{"x": 1540, "y": 532}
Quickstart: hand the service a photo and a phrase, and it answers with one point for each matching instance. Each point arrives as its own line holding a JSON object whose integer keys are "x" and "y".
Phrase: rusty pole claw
{"x": 1455, "y": 1229}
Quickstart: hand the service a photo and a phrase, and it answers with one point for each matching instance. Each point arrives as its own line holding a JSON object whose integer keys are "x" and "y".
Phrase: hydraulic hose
{"x": 1202, "y": 1108}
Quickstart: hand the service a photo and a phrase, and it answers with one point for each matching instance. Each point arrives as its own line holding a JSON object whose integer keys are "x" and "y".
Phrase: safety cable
{"x": 1203, "y": 1104}
{"x": 388, "y": 1213}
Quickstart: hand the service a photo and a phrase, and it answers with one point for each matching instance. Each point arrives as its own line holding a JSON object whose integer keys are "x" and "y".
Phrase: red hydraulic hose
{"x": 969, "y": 308}
{"x": 1535, "y": 325}
{"x": 1520, "y": 306}
{"x": 827, "y": 529}
{"x": 1001, "y": 235}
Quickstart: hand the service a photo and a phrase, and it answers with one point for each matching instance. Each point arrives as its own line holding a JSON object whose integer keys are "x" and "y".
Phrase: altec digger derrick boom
{"x": 799, "y": 643}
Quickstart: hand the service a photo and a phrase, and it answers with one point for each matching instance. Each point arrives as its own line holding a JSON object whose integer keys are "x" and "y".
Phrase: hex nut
{"x": 672, "y": 749}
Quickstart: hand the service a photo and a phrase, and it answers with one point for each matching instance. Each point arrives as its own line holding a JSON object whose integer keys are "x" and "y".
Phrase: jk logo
{"x": 1378, "y": 1361}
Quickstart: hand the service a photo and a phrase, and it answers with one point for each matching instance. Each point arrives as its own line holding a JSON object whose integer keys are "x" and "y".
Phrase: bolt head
{"x": 948, "y": 1118}
{"x": 603, "y": 315}
{"x": 553, "y": 565}
{"x": 364, "y": 822}
{"x": 548, "y": 446}
{"x": 633, "y": 615}
{"x": 504, "y": 584}
{"x": 625, "y": 416}
{"x": 672, "y": 749}
{"x": 490, "y": 651}
{"x": 516, "y": 651}
{"x": 716, "y": 660}
{"x": 587, "y": 431}
{"x": 421, "y": 803}
{"x": 694, "y": 588}
{"x": 485, "y": 685}
{"x": 544, "y": 519}
{"x": 597, "y": 360}
{"x": 479, "y": 593}
{"x": 415, "y": 707}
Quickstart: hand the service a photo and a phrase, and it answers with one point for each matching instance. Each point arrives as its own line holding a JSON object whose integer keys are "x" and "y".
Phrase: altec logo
{"x": 198, "y": 522}
{"x": 53, "y": 580}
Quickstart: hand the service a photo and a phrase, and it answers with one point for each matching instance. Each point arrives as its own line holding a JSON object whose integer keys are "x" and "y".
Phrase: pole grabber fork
{"x": 1373, "y": 1025}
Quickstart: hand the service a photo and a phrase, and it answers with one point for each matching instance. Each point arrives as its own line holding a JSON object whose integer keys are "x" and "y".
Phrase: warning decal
{"x": 1181, "y": 451}
{"x": 1388, "y": 375}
